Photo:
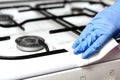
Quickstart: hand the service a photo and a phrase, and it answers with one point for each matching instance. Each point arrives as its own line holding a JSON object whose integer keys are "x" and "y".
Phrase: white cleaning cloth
{"x": 98, "y": 56}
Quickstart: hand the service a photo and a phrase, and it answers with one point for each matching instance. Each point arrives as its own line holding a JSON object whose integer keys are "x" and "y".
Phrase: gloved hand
{"x": 105, "y": 25}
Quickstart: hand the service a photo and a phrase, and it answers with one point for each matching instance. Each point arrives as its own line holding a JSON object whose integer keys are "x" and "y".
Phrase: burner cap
{"x": 5, "y": 19}
{"x": 76, "y": 10}
{"x": 30, "y": 43}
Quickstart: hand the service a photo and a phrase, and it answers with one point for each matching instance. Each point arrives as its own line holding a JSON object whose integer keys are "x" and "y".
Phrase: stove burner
{"x": 76, "y": 10}
{"x": 5, "y": 19}
{"x": 30, "y": 43}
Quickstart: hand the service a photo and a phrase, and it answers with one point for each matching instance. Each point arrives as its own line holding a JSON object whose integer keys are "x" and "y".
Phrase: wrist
{"x": 117, "y": 0}
{"x": 110, "y": 14}
{"x": 114, "y": 12}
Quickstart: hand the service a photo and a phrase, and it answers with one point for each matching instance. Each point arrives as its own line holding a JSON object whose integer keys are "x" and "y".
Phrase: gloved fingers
{"x": 89, "y": 40}
{"x": 75, "y": 44}
{"x": 95, "y": 46}
{"x": 80, "y": 48}
{"x": 86, "y": 31}
{"x": 80, "y": 38}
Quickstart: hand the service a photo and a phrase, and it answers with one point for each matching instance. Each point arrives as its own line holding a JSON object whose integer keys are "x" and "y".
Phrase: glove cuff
{"x": 111, "y": 14}
{"x": 117, "y": 0}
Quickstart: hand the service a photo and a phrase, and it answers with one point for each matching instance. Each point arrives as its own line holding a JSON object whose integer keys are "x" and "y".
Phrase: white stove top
{"x": 17, "y": 69}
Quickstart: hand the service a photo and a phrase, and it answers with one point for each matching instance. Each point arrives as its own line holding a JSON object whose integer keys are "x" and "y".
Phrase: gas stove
{"x": 36, "y": 38}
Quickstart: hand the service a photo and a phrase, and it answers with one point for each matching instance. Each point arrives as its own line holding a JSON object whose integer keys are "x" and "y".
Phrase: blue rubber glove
{"x": 104, "y": 26}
